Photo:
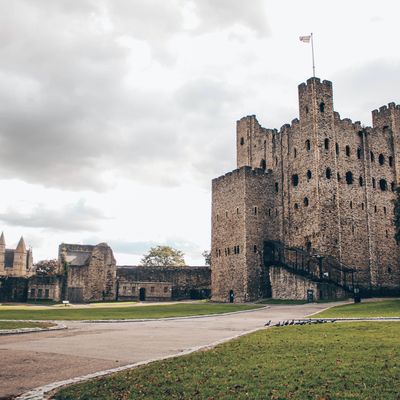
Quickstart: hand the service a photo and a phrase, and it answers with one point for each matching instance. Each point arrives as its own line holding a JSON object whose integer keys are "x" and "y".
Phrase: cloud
{"x": 72, "y": 217}
{"x": 363, "y": 88}
{"x": 79, "y": 106}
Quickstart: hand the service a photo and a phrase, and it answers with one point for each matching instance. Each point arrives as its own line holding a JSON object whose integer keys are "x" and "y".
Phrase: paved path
{"x": 36, "y": 359}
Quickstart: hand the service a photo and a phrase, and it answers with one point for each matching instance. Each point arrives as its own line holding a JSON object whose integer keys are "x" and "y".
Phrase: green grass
{"x": 134, "y": 312}
{"x": 387, "y": 308}
{"x": 23, "y": 324}
{"x": 336, "y": 361}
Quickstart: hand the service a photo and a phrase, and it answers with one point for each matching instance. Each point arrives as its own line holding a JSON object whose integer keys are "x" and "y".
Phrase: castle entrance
{"x": 142, "y": 294}
{"x": 231, "y": 296}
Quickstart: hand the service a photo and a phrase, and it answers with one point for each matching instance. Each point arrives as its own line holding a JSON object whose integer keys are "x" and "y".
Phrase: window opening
{"x": 326, "y": 144}
{"x": 308, "y": 144}
{"x": 372, "y": 156}
{"x": 337, "y": 148}
{"x": 381, "y": 159}
{"x": 309, "y": 174}
{"x": 241, "y": 141}
{"x": 322, "y": 106}
{"x": 358, "y": 153}
{"x": 349, "y": 177}
{"x": 328, "y": 173}
{"x": 295, "y": 180}
{"x": 391, "y": 161}
{"x": 361, "y": 180}
{"x": 305, "y": 201}
{"x": 383, "y": 185}
{"x": 348, "y": 151}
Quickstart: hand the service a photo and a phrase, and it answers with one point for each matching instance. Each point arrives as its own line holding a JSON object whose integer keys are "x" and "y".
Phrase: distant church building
{"x": 309, "y": 209}
{"x": 15, "y": 263}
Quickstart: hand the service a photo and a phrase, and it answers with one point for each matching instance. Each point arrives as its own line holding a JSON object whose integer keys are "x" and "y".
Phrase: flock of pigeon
{"x": 300, "y": 322}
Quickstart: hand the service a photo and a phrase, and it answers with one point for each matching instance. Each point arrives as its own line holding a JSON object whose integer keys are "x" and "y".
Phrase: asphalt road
{"x": 35, "y": 359}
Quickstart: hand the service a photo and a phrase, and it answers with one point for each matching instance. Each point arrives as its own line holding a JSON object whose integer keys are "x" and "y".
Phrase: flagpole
{"x": 312, "y": 52}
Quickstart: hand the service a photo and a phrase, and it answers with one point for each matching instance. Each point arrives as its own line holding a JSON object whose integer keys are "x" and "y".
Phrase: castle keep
{"x": 309, "y": 207}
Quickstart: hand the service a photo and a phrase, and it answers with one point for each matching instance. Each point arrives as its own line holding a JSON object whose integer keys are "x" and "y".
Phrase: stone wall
{"x": 13, "y": 289}
{"x": 185, "y": 282}
{"x": 45, "y": 288}
{"x": 91, "y": 272}
{"x": 287, "y": 285}
{"x": 144, "y": 291}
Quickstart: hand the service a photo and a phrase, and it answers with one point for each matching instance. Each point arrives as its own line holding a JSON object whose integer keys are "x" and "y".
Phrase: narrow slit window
{"x": 348, "y": 151}
{"x": 349, "y": 177}
{"x": 328, "y": 173}
{"x": 326, "y": 144}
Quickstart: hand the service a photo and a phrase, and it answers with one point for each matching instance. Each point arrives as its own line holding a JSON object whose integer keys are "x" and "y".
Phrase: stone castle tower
{"x": 16, "y": 263}
{"x": 322, "y": 186}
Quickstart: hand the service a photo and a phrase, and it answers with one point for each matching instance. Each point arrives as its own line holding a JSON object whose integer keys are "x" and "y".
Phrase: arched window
{"x": 348, "y": 151}
{"x": 391, "y": 161}
{"x": 326, "y": 144}
{"x": 309, "y": 174}
{"x": 372, "y": 156}
{"x": 358, "y": 153}
{"x": 305, "y": 201}
{"x": 337, "y": 148}
{"x": 308, "y": 144}
{"x": 295, "y": 180}
{"x": 360, "y": 179}
{"x": 349, "y": 177}
{"x": 322, "y": 106}
{"x": 328, "y": 173}
{"x": 381, "y": 159}
{"x": 241, "y": 141}
{"x": 383, "y": 185}
{"x": 263, "y": 164}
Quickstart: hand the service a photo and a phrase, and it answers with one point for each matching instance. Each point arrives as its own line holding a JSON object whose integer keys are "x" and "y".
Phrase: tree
{"x": 397, "y": 215}
{"x": 164, "y": 256}
{"x": 46, "y": 267}
{"x": 207, "y": 257}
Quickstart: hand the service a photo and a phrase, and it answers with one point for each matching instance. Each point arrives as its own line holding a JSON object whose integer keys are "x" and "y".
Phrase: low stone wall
{"x": 286, "y": 285}
{"x": 45, "y": 288}
{"x": 185, "y": 282}
{"x": 150, "y": 291}
{"x": 13, "y": 289}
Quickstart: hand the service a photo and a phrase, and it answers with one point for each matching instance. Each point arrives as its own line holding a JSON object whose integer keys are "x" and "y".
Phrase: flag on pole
{"x": 305, "y": 39}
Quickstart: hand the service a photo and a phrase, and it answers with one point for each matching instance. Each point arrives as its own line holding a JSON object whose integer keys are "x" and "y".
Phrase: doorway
{"x": 142, "y": 294}
{"x": 231, "y": 296}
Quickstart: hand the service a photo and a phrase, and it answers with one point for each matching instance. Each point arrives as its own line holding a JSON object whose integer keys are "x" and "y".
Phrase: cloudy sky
{"x": 116, "y": 114}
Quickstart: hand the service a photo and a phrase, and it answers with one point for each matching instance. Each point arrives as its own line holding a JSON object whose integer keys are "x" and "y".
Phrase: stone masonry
{"x": 321, "y": 183}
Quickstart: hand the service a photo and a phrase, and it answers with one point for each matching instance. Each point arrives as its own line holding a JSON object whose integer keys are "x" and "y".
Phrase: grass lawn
{"x": 337, "y": 361}
{"x": 134, "y": 312}
{"x": 23, "y": 324}
{"x": 386, "y": 308}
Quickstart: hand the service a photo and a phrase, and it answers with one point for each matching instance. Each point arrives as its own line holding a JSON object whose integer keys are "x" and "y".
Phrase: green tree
{"x": 164, "y": 256}
{"x": 207, "y": 257}
{"x": 46, "y": 267}
{"x": 397, "y": 215}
